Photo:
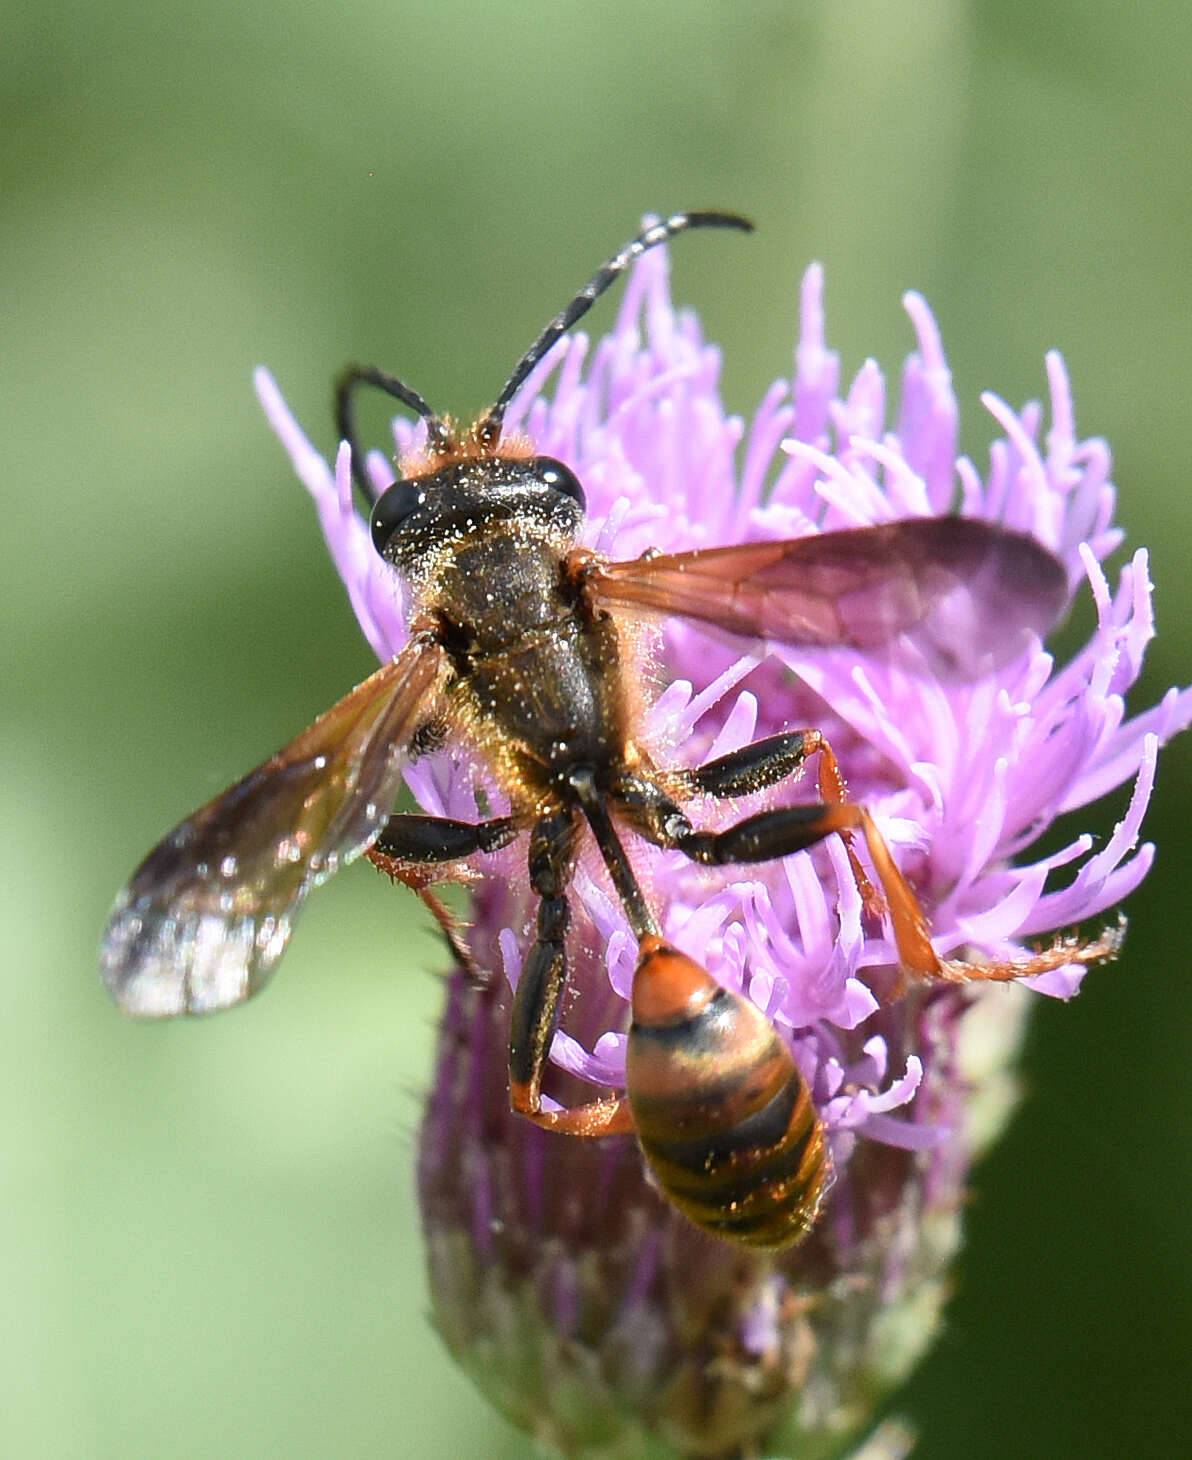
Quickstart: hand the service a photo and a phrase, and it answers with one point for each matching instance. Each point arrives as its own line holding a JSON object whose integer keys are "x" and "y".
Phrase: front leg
{"x": 536, "y": 1005}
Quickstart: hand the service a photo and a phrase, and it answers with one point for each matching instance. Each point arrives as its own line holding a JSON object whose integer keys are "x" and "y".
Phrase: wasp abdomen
{"x": 723, "y": 1115}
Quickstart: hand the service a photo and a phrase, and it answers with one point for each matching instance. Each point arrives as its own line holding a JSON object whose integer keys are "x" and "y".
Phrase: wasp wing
{"x": 209, "y": 911}
{"x": 968, "y": 592}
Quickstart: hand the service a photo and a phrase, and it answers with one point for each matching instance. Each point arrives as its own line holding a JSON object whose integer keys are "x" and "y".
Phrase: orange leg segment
{"x": 608, "y": 1117}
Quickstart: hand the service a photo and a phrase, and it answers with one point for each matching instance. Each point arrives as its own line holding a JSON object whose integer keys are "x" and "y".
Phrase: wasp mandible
{"x": 518, "y": 648}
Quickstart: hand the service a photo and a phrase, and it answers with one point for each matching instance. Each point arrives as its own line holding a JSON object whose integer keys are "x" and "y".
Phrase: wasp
{"x": 519, "y": 646}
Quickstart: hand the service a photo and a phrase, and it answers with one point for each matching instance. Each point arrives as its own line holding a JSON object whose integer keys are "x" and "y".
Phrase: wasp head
{"x": 471, "y": 498}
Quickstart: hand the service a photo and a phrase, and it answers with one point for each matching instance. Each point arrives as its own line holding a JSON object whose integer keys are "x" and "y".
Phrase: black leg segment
{"x": 416, "y": 838}
{"x": 536, "y": 1004}
{"x": 768, "y": 835}
{"x": 753, "y": 767}
{"x": 592, "y": 801}
{"x": 760, "y": 838}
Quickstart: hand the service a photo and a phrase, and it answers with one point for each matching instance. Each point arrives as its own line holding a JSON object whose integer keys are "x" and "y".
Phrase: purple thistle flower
{"x": 588, "y": 1309}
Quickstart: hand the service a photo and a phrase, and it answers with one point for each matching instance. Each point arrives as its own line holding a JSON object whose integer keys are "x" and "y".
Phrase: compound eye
{"x": 554, "y": 474}
{"x": 393, "y": 507}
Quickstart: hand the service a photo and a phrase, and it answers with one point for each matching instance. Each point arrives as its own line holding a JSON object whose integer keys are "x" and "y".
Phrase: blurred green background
{"x": 208, "y": 1243}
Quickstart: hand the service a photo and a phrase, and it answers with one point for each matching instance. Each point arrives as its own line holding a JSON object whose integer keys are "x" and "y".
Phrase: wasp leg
{"x": 536, "y": 1005}
{"x": 772, "y": 834}
{"x": 778, "y": 833}
{"x": 412, "y": 842}
{"x": 763, "y": 764}
{"x": 412, "y": 837}
{"x": 752, "y": 768}
{"x": 756, "y": 766}
{"x": 591, "y": 799}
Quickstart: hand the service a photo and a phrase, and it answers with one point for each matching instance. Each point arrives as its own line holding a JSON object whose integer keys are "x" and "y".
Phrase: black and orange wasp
{"x": 517, "y": 646}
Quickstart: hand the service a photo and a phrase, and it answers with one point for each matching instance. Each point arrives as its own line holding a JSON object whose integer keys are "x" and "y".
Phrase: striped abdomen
{"x": 723, "y": 1115}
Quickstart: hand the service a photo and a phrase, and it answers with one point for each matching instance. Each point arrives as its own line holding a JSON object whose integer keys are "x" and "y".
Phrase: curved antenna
{"x": 488, "y": 428}
{"x": 438, "y": 438}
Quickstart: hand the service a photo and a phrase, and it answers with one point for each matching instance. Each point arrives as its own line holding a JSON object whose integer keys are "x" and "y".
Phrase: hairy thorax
{"x": 537, "y": 688}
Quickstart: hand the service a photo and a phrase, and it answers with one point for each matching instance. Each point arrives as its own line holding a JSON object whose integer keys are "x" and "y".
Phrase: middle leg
{"x": 777, "y": 833}
{"x": 769, "y": 835}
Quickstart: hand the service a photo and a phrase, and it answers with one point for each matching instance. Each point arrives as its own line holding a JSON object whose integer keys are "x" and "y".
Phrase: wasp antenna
{"x": 439, "y": 440}
{"x": 488, "y": 428}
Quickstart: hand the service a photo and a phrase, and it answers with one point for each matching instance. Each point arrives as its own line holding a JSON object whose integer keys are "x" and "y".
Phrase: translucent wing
{"x": 968, "y": 592}
{"x": 209, "y": 911}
